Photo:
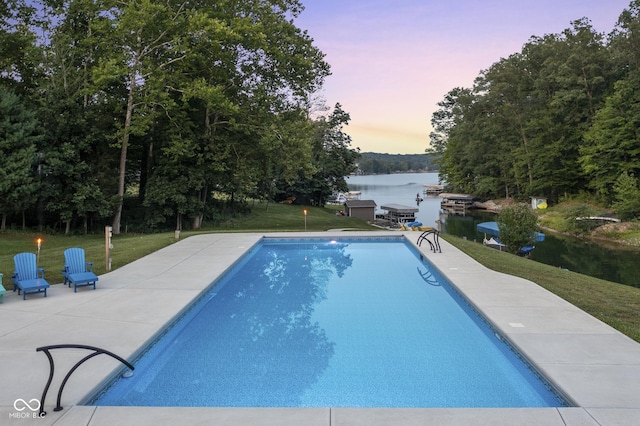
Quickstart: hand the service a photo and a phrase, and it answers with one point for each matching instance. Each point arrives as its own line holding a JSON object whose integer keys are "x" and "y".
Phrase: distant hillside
{"x": 373, "y": 163}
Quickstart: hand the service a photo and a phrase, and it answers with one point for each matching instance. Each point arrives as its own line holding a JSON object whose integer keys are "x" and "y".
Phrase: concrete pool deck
{"x": 592, "y": 364}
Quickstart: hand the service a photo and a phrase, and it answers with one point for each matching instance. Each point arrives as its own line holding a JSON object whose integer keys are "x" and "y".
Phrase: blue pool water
{"x": 320, "y": 323}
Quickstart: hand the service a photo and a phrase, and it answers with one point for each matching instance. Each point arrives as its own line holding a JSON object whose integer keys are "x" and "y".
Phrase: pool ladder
{"x": 435, "y": 244}
{"x": 96, "y": 351}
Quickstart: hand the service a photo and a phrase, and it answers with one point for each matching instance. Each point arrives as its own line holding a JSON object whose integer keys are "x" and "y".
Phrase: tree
{"x": 171, "y": 101}
{"x": 333, "y": 156}
{"x": 627, "y": 196}
{"x": 573, "y": 76}
{"x": 517, "y": 225}
{"x": 241, "y": 120}
{"x": 75, "y": 124}
{"x": 19, "y": 54}
{"x": 611, "y": 144}
{"x": 450, "y": 138}
{"x": 517, "y": 132}
{"x": 18, "y": 137}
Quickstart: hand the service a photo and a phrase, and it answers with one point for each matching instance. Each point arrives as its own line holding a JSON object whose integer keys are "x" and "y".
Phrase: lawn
{"x": 616, "y": 304}
{"x": 129, "y": 247}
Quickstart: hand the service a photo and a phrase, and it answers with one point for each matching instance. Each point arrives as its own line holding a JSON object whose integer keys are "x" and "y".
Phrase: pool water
{"x": 322, "y": 323}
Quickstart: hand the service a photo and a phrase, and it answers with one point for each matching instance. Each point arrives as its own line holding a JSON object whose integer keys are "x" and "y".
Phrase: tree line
{"x": 557, "y": 119}
{"x": 161, "y": 114}
{"x": 375, "y": 163}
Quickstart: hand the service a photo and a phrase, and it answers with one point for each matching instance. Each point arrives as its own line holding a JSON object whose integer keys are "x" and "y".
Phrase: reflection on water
{"x": 617, "y": 264}
{"x": 263, "y": 322}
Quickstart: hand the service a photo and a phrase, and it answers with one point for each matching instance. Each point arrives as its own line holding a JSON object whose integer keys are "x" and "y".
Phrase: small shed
{"x": 538, "y": 203}
{"x": 362, "y": 209}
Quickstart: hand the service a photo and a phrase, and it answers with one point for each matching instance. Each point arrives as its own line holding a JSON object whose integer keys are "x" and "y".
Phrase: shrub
{"x": 517, "y": 225}
{"x": 575, "y": 226}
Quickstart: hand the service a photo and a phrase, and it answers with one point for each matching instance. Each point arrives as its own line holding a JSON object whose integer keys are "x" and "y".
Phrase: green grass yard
{"x": 616, "y": 304}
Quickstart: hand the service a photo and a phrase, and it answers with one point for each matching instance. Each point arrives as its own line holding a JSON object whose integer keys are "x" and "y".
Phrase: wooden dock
{"x": 399, "y": 213}
{"x": 456, "y": 203}
{"x": 433, "y": 189}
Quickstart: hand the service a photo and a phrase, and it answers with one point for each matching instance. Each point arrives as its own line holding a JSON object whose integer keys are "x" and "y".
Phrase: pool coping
{"x": 594, "y": 365}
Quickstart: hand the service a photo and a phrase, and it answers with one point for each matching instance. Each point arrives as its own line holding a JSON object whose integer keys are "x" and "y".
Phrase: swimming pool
{"x": 361, "y": 322}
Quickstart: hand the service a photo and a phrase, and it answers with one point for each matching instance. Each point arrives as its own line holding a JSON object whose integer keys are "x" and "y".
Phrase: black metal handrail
{"x": 435, "y": 245}
{"x": 46, "y": 349}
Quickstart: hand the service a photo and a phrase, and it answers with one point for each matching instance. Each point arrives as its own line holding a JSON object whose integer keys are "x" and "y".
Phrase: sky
{"x": 393, "y": 61}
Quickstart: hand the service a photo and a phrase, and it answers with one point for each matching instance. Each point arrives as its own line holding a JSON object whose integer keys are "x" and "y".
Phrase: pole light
{"x": 39, "y": 244}
{"x": 305, "y": 219}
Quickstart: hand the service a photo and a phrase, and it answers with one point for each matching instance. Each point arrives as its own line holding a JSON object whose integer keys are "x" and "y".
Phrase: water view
{"x": 401, "y": 188}
{"x": 617, "y": 264}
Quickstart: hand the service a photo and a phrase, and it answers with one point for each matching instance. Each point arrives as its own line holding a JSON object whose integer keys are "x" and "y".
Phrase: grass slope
{"x": 616, "y": 304}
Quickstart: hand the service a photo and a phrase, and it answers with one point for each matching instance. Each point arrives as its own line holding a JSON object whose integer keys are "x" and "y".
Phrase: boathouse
{"x": 456, "y": 203}
{"x": 399, "y": 213}
{"x": 432, "y": 189}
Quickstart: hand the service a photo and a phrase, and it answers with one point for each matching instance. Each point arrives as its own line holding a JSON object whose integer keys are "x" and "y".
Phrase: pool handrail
{"x": 46, "y": 349}
{"x": 435, "y": 245}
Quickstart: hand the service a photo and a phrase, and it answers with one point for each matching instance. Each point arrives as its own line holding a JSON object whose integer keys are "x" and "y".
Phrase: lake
{"x": 617, "y": 264}
{"x": 400, "y": 188}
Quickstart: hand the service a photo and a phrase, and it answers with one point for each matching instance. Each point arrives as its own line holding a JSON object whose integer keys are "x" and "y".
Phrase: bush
{"x": 517, "y": 225}
{"x": 578, "y": 227}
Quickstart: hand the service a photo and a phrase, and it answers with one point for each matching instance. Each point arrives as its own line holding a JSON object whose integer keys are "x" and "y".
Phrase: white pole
{"x": 108, "y": 246}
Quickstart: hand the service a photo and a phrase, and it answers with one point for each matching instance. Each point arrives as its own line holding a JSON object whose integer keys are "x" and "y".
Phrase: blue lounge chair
{"x": 77, "y": 271}
{"x": 27, "y": 277}
{"x": 2, "y": 290}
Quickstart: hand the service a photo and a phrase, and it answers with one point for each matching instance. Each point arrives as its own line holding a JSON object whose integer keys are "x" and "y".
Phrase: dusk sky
{"x": 393, "y": 61}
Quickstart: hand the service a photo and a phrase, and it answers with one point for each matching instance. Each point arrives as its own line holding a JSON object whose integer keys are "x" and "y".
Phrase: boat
{"x": 353, "y": 195}
{"x": 492, "y": 229}
{"x": 342, "y": 197}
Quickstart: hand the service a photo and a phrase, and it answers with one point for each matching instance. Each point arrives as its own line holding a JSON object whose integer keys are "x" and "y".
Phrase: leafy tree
{"x": 75, "y": 125}
{"x": 144, "y": 96}
{"x": 19, "y": 54}
{"x": 19, "y": 183}
{"x": 517, "y": 225}
{"x": 375, "y": 163}
{"x": 574, "y": 76}
{"x": 627, "y": 196}
{"x": 611, "y": 144}
{"x": 139, "y": 40}
{"x": 450, "y": 138}
{"x": 332, "y": 159}
{"x": 242, "y": 117}
{"x": 518, "y": 131}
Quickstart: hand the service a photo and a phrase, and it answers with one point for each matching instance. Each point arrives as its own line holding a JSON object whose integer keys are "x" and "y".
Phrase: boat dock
{"x": 456, "y": 203}
{"x": 432, "y": 189}
{"x": 399, "y": 213}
